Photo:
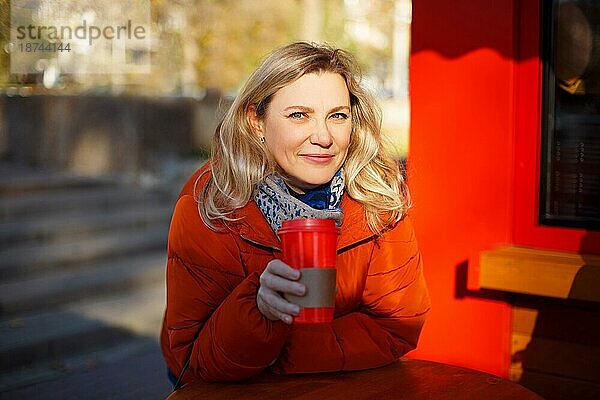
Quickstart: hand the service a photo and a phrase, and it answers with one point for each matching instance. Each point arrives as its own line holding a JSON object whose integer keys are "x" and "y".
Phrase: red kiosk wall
{"x": 475, "y": 77}
{"x": 461, "y": 169}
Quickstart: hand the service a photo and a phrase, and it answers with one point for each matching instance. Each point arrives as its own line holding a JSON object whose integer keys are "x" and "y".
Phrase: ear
{"x": 254, "y": 120}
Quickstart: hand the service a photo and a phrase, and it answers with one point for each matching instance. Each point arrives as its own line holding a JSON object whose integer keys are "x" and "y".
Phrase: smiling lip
{"x": 317, "y": 158}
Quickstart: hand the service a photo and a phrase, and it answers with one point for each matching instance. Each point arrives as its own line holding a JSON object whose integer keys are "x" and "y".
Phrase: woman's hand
{"x": 277, "y": 279}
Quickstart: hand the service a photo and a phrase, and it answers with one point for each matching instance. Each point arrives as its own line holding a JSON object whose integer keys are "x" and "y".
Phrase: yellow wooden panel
{"x": 541, "y": 272}
{"x": 524, "y": 320}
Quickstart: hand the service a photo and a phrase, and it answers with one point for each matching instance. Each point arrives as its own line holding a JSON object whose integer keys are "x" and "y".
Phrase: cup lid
{"x": 309, "y": 225}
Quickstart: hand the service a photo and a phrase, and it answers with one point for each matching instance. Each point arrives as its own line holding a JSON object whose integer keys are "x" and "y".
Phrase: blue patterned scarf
{"x": 276, "y": 203}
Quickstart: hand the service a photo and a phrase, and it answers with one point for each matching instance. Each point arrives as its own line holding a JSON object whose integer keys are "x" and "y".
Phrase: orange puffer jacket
{"x": 212, "y": 281}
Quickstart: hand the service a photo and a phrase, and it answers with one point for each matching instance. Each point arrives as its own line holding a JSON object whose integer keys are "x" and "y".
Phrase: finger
{"x": 280, "y": 268}
{"x": 278, "y": 314}
{"x": 277, "y": 303}
{"x": 280, "y": 284}
{"x": 265, "y": 309}
{"x": 271, "y": 313}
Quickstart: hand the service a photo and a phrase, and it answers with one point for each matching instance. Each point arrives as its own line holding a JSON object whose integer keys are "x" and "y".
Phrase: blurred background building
{"x": 200, "y": 52}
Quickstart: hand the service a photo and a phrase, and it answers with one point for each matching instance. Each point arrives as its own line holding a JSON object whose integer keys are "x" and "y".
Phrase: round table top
{"x": 405, "y": 379}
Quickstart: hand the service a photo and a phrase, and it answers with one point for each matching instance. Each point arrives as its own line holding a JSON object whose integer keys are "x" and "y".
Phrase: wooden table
{"x": 406, "y": 379}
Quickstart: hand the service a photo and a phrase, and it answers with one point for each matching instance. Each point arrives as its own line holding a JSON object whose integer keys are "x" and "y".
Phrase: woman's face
{"x": 307, "y": 129}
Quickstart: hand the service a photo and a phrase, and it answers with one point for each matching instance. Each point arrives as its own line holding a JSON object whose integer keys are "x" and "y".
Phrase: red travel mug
{"x": 309, "y": 244}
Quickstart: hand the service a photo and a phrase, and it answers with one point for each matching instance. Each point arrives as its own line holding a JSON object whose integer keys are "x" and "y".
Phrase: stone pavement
{"x": 82, "y": 287}
{"x": 139, "y": 376}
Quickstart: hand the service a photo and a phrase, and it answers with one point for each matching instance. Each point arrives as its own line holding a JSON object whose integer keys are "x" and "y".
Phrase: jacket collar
{"x": 254, "y": 228}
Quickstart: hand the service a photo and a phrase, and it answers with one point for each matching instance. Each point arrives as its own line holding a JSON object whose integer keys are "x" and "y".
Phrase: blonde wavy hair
{"x": 239, "y": 161}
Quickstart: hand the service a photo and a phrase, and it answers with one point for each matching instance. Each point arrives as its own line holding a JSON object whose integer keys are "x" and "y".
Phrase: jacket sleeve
{"x": 211, "y": 305}
{"x": 388, "y": 323}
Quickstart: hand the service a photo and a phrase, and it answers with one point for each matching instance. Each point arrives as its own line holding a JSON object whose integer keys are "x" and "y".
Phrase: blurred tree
{"x": 215, "y": 44}
{"x": 231, "y": 36}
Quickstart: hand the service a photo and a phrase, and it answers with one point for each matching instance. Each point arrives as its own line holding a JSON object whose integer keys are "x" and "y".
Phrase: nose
{"x": 320, "y": 135}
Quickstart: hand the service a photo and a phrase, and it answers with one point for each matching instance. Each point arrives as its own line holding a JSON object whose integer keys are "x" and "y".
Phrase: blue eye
{"x": 339, "y": 115}
{"x": 297, "y": 115}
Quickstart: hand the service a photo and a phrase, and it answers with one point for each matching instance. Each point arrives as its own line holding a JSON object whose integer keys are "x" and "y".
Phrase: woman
{"x": 302, "y": 139}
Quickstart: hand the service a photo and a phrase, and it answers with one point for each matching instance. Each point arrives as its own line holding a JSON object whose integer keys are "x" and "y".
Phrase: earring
{"x": 262, "y": 139}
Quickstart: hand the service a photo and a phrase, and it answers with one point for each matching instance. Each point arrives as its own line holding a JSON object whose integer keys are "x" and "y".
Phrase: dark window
{"x": 570, "y": 179}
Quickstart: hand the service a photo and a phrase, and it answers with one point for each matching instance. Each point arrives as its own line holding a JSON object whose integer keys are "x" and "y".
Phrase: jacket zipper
{"x": 258, "y": 244}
